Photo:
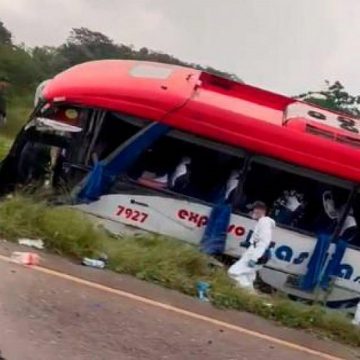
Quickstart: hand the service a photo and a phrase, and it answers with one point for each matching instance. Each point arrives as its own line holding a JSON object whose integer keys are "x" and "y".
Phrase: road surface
{"x": 44, "y": 316}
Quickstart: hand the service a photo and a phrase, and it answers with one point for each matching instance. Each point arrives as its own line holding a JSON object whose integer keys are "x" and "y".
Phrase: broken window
{"x": 179, "y": 163}
{"x": 296, "y": 198}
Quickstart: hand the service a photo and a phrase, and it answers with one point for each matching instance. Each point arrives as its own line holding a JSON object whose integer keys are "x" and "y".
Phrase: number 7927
{"x": 131, "y": 214}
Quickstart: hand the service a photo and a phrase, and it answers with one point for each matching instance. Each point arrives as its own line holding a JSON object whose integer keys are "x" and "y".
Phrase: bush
{"x": 63, "y": 230}
{"x": 18, "y": 111}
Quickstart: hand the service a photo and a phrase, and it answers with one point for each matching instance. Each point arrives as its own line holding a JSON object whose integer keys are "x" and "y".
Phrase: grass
{"x": 63, "y": 231}
{"x": 18, "y": 111}
{"x": 5, "y": 144}
{"x": 170, "y": 263}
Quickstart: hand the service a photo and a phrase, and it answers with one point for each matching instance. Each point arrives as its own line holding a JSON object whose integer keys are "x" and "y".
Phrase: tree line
{"x": 25, "y": 67}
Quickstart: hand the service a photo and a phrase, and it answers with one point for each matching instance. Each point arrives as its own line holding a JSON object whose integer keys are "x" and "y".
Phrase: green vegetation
{"x": 167, "y": 262}
{"x": 63, "y": 231}
{"x": 18, "y": 111}
{"x": 4, "y": 147}
{"x": 334, "y": 97}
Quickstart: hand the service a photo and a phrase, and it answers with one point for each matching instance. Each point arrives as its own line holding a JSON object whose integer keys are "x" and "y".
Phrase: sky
{"x": 288, "y": 46}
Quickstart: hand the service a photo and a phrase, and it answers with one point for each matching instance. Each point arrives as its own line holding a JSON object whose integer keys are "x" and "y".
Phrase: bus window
{"x": 103, "y": 132}
{"x": 294, "y": 200}
{"x": 115, "y": 130}
{"x": 188, "y": 168}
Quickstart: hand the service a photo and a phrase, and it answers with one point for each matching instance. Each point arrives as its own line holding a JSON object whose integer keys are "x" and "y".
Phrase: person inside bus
{"x": 180, "y": 178}
{"x": 154, "y": 180}
{"x": 176, "y": 180}
{"x": 349, "y": 228}
{"x": 151, "y": 169}
{"x": 231, "y": 185}
{"x": 288, "y": 208}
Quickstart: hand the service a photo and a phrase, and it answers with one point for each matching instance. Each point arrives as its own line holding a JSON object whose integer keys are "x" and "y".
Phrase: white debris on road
{"x": 37, "y": 244}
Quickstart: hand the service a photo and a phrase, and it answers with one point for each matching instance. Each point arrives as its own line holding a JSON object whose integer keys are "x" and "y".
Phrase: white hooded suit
{"x": 260, "y": 240}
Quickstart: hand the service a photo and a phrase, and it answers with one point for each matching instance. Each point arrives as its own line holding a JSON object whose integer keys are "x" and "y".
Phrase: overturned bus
{"x": 180, "y": 152}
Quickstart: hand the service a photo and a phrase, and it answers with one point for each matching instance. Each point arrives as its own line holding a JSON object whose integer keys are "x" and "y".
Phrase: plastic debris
{"x": 202, "y": 288}
{"x": 103, "y": 257}
{"x": 215, "y": 263}
{"x": 37, "y": 244}
{"x": 25, "y": 258}
{"x": 356, "y": 320}
{"x": 99, "y": 264}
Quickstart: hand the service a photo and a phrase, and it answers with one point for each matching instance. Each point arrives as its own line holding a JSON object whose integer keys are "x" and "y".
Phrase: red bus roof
{"x": 230, "y": 112}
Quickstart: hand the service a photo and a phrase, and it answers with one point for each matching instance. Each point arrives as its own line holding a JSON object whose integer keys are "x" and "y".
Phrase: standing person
{"x": 244, "y": 270}
{"x": 4, "y": 83}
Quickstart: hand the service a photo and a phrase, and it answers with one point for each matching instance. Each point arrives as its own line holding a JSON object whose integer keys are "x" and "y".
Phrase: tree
{"x": 85, "y": 45}
{"x": 17, "y": 65}
{"x": 48, "y": 60}
{"x": 334, "y": 97}
{"x": 27, "y": 67}
{"x": 5, "y": 35}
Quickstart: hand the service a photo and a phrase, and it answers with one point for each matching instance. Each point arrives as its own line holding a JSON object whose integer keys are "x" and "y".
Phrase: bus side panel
{"x": 186, "y": 221}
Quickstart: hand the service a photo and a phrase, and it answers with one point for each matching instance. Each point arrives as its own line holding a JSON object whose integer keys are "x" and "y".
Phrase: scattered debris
{"x": 95, "y": 263}
{"x": 25, "y": 258}
{"x": 37, "y": 244}
{"x": 103, "y": 257}
{"x": 202, "y": 288}
{"x": 356, "y": 320}
{"x": 215, "y": 263}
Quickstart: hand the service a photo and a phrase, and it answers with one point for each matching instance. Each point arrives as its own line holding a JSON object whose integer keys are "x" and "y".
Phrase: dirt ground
{"x": 45, "y": 317}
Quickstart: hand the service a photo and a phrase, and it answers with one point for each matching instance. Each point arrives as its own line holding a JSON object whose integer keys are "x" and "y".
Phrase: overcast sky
{"x": 287, "y": 46}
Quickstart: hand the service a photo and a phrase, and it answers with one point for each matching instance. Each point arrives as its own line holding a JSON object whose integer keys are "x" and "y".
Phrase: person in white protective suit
{"x": 244, "y": 270}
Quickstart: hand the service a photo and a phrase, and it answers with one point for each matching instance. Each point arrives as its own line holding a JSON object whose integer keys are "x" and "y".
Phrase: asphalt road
{"x": 46, "y": 317}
